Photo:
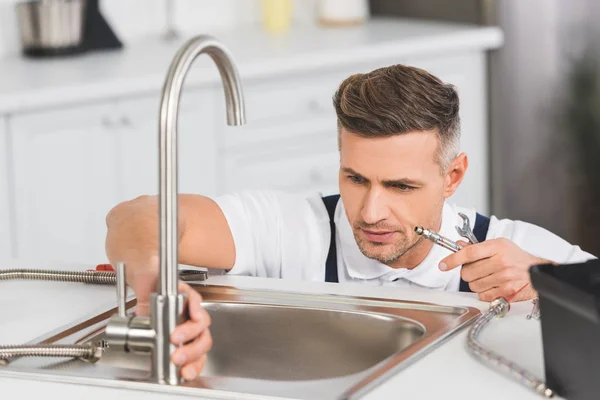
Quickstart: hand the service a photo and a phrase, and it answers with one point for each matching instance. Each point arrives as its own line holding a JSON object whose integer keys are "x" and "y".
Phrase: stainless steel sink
{"x": 272, "y": 343}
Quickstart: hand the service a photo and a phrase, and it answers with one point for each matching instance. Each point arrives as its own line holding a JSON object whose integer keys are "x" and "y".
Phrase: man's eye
{"x": 403, "y": 188}
{"x": 355, "y": 179}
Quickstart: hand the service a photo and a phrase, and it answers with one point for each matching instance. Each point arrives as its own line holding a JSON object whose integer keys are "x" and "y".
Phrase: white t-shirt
{"x": 287, "y": 235}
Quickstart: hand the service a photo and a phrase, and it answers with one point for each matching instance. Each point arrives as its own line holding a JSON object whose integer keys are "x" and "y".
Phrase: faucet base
{"x": 167, "y": 312}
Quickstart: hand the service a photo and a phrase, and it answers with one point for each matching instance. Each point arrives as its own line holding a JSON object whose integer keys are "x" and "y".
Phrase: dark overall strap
{"x": 331, "y": 271}
{"x": 482, "y": 224}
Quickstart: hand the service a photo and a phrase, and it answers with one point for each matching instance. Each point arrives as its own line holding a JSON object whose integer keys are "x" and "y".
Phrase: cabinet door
{"x": 73, "y": 165}
{"x": 5, "y": 212}
{"x": 66, "y": 179}
{"x": 139, "y": 150}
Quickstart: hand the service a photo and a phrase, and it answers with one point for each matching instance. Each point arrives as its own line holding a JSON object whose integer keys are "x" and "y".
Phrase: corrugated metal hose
{"x": 88, "y": 352}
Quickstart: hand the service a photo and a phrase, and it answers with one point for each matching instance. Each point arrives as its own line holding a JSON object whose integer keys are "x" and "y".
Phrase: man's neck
{"x": 416, "y": 254}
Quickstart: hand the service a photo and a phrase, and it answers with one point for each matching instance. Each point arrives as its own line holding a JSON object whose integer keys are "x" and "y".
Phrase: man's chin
{"x": 384, "y": 257}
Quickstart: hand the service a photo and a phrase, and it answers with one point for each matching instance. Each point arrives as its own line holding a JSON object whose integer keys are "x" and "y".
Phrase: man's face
{"x": 389, "y": 186}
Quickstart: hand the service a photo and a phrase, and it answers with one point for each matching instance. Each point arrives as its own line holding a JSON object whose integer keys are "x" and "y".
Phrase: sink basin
{"x": 272, "y": 343}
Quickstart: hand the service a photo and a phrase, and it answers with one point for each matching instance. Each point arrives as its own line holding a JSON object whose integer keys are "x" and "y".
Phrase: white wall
{"x": 529, "y": 175}
{"x": 137, "y": 19}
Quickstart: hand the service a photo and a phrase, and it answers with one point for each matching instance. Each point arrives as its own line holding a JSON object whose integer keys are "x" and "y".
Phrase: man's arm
{"x": 204, "y": 235}
{"x": 204, "y": 240}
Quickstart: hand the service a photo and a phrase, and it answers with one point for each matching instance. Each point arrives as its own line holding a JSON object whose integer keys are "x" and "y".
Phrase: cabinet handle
{"x": 125, "y": 121}
{"x": 107, "y": 123}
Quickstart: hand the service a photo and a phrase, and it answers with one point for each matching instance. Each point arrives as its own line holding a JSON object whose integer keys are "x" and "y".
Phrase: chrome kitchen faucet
{"x": 143, "y": 334}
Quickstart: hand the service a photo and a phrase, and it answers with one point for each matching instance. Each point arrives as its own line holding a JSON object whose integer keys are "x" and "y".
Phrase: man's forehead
{"x": 418, "y": 147}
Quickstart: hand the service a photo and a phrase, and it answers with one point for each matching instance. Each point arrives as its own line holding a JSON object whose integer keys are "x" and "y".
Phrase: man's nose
{"x": 375, "y": 208}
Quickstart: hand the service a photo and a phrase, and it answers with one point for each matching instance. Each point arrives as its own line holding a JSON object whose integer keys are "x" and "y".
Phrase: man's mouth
{"x": 379, "y": 236}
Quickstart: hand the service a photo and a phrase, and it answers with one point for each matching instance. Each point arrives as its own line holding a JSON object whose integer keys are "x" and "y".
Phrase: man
{"x": 398, "y": 130}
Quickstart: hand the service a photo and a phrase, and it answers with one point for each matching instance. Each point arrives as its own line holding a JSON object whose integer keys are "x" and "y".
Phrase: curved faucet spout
{"x": 169, "y": 109}
{"x": 167, "y": 305}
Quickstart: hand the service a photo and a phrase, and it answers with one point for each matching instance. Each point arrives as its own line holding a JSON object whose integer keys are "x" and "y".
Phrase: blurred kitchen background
{"x": 78, "y": 131}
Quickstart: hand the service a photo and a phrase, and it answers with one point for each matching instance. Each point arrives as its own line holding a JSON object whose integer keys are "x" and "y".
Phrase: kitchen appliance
{"x": 63, "y": 27}
{"x": 51, "y": 27}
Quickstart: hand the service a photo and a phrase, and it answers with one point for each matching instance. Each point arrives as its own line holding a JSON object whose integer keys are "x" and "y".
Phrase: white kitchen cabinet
{"x": 72, "y": 165}
{"x": 66, "y": 176}
{"x": 5, "y": 211}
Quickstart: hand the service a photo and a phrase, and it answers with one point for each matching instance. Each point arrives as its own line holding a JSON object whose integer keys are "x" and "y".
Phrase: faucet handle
{"x": 121, "y": 290}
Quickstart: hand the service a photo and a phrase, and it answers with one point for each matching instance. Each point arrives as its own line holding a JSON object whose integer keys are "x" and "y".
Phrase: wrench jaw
{"x": 466, "y": 231}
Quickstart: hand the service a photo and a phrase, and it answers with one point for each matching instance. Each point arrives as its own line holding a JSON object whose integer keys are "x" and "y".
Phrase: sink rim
{"x": 453, "y": 319}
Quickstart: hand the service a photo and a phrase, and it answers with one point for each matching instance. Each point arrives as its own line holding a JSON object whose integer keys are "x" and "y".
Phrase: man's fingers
{"x": 487, "y": 282}
{"x": 194, "y": 306}
{"x": 189, "y": 330}
{"x": 479, "y": 269}
{"x": 193, "y": 351}
{"x": 469, "y": 254}
{"x": 195, "y": 309}
{"x": 508, "y": 291}
{"x": 191, "y": 371}
{"x": 491, "y": 295}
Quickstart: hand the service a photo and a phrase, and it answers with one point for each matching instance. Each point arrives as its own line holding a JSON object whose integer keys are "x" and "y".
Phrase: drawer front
{"x": 293, "y": 174}
{"x": 93, "y": 116}
{"x": 291, "y": 98}
{"x": 308, "y": 162}
{"x": 245, "y": 139}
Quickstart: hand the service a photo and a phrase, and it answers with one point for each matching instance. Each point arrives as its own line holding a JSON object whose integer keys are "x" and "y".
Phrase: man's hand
{"x": 191, "y": 356}
{"x": 132, "y": 238}
{"x": 494, "y": 268}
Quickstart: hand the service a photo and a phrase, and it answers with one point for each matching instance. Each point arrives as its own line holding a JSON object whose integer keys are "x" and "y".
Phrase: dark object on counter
{"x": 461, "y": 11}
{"x": 570, "y": 308}
{"x": 63, "y": 27}
{"x": 98, "y": 34}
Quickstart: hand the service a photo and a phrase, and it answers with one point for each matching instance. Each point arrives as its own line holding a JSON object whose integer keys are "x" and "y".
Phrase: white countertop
{"x": 27, "y": 84}
{"x": 31, "y": 309}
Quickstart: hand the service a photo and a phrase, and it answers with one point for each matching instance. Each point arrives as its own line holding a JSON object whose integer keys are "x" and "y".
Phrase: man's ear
{"x": 455, "y": 174}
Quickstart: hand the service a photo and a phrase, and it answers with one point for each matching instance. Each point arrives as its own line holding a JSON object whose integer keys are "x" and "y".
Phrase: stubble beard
{"x": 385, "y": 253}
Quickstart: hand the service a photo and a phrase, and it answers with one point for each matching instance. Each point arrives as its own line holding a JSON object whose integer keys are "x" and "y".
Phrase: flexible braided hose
{"x": 88, "y": 352}
{"x": 499, "y": 308}
{"x": 96, "y": 278}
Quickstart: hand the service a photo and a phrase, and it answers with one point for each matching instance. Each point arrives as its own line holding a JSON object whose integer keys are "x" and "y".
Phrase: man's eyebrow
{"x": 387, "y": 182}
{"x": 402, "y": 181}
{"x": 350, "y": 171}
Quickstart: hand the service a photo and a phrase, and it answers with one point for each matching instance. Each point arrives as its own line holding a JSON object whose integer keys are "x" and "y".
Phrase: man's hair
{"x": 399, "y": 99}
